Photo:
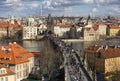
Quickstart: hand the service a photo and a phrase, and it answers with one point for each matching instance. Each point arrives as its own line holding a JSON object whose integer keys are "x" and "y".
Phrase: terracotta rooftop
{"x": 95, "y": 28}
{"x": 7, "y": 24}
{"x": 64, "y": 25}
{"x": 14, "y": 54}
{"x": 114, "y": 27}
{"x": 8, "y": 72}
{"x": 109, "y": 52}
{"x": 87, "y": 28}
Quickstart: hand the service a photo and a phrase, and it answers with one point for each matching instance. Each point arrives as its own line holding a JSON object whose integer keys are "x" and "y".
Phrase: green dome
{"x": 40, "y": 21}
{"x": 30, "y": 19}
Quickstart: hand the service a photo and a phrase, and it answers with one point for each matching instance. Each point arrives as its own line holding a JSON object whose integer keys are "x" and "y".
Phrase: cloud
{"x": 108, "y": 1}
{"x": 95, "y": 10}
{"x": 88, "y": 1}
{"x": 12, "y": 1}
{"x": 32, "y": 7}
{"x": 114, "y": 9}
{"x": 68, "y": 9}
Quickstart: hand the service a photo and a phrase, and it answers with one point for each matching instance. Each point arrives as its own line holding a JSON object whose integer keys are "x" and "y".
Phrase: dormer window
{"x": 2, "y": 58}
{"x": 2, "y": 71}
{"x": 7, "y": 58}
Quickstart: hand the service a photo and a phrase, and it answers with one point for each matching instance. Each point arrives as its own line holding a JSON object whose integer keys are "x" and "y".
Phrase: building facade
{"x": 6, "y": 74}
{"x": 30, "y": 32}
{"x": 114, "y": 31}
{"x": 102, "y": 29}
{"x": 18, "y": 60}
{"x": 91, "y": 34}
{"x": 8, "y": 29}
{"x": 61, "y": 30}
{"x": 102, "y": 59}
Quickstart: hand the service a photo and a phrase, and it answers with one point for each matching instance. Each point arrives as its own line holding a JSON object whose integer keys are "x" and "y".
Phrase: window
{"x": 2, "y": 79}
{"x": 91, "y": 34}
{"x": 17, "y": 67}
{"x": 2, "y": 71}
{"x": 6, "y": 78}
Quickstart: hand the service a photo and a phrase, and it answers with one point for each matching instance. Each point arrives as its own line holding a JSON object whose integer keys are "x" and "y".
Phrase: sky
{"x": 23, "y": 8}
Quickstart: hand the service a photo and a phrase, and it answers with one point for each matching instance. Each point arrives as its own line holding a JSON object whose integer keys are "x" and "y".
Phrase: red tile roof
{"x": 114, "y": 27}
{"x": 8, "y": 72}
{"x": 35, "y": 53}
{"x": 110, "y": 52}
{"x": 92, "y": 49}
{"x": 14, "y": 54}
{"x": 64, "y": 25}
{"x": 7, "y": 24}
{"x": 87, "y": 28}
{"x": 95, "y": 28}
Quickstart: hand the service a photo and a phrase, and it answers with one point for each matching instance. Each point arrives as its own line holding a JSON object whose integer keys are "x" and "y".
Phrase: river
{"x": 32, "y": 46}
{"x": 37, "y": 46}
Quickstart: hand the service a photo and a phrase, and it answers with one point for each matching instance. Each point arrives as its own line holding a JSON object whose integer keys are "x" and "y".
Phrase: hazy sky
{"x": 60, "y": 7}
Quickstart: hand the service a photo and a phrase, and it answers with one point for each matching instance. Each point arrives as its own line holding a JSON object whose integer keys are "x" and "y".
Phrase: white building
{"x": 29, "y": 32}
{"x": 19, "y": 62}
{"x": 61, "y": 29}
{"x": 42, "y": 28}
{"x": 102, "y": 28}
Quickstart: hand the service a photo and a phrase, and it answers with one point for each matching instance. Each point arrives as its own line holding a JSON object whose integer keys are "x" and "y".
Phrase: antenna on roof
{"x": 41, "y": 10}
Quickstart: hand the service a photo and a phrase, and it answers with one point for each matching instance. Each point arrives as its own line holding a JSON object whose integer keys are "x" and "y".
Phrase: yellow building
{"x": 6, "y": 74}
{"x": 104, "y": 59}
{"x": 114, "y": 31}
{"x": 91, "y": 33}
{"x": 18, "y": 59}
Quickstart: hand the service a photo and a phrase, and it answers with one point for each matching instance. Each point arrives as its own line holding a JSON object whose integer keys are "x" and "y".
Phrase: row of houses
{"x": 90, "y": 30}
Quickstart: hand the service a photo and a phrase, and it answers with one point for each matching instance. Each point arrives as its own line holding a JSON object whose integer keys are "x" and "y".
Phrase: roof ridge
{"x": 12, "y": 47}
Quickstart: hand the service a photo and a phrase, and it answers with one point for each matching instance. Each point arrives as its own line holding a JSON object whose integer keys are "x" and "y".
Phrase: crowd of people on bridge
{"x": 73, "y": 63}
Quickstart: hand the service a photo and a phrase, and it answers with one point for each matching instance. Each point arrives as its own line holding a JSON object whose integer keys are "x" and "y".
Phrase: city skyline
{"x": 59, "y": 7}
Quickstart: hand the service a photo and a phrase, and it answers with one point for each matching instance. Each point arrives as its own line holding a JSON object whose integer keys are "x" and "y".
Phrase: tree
{"x": 48, "y": 59}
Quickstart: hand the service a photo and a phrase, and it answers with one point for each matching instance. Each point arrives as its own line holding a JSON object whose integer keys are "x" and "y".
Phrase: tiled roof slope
{"x": 106, "y": 52}
{"x": 8, "y": 72}
{"x": 7, "y": 24}
{"x": 14, "y": 54}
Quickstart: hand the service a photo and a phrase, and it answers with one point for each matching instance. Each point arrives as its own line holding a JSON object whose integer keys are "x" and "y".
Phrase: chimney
{"x": 10, "y": 43}
{"x": 9, "y": 49}
{"x": 3, "y": 49}
{"x": 14, "y": 42}
{"x": 106, "y": 47}
{"x": 115, "y": 46}
{"x": 95, "y": 45}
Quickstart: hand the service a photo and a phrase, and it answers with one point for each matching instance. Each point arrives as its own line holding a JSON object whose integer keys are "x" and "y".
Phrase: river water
{"x": 32, "y": 46}
{"x": 37, "y": 46}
